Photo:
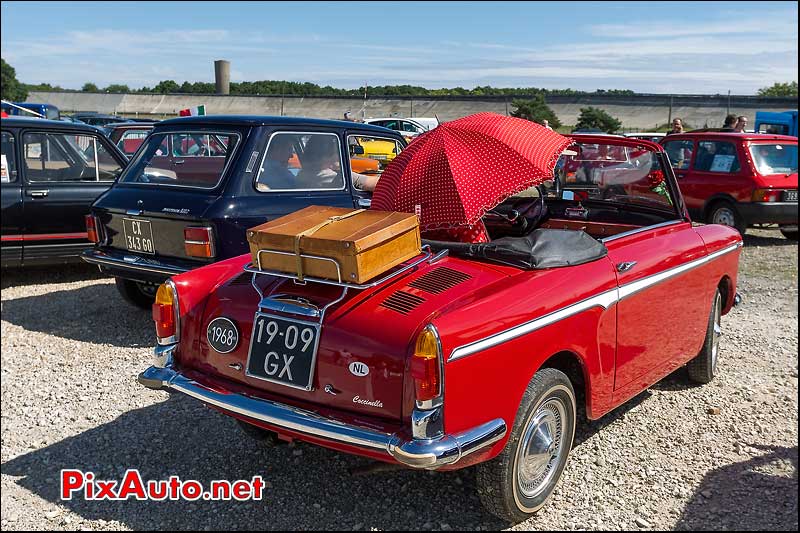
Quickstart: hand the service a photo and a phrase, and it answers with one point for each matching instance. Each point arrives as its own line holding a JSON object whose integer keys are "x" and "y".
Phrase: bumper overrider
{"x": 411, "y": 451}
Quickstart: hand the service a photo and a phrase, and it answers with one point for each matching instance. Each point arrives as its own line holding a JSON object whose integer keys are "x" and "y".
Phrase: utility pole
{"x": 729, "y": 102}
{"x": 669, "y": 120}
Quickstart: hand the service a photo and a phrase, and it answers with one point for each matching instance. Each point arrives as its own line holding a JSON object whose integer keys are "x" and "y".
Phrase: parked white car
{"x": 647, "y": 136}
{"x": 408, "y": 127}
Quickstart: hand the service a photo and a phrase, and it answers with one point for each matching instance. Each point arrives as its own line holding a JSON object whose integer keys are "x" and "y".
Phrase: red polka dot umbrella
{"x": 456, "y": 172}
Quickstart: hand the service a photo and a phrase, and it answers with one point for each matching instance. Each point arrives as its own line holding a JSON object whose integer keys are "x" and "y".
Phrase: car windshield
{"x": 774, "y": 158}
{"x": 612, "y": 173}
{"x": 196, "y": 159}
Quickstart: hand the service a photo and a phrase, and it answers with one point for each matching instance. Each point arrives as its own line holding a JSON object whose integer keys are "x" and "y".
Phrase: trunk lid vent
{"x": 439, "y": 280}
{"x": 242, "y": 279}
{"x": 402, "y": 302}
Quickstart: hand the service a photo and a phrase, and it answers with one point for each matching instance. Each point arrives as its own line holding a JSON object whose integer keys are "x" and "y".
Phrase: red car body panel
{"x": 625, "y": 329}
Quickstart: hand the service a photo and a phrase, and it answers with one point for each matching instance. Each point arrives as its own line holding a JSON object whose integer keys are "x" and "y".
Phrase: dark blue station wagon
{"x": 198, "y": 183}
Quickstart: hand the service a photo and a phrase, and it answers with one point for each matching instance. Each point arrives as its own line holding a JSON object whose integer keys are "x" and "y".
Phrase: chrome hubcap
{"x": 717, "y": 333}
{"x": 724, "y": 216}
{"x": 541, "y": 448}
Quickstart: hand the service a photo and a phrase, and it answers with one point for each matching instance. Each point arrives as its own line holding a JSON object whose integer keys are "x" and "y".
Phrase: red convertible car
{"x": 471, "y": 354}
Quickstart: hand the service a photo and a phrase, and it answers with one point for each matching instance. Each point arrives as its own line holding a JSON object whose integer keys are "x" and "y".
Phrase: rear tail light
{"x": 198, "y": 242}
{"x": 426, "y": 367}
{"x": 92, "y": 225}
{"x": 165, "y": 313}
{"x": 767, "y": 195}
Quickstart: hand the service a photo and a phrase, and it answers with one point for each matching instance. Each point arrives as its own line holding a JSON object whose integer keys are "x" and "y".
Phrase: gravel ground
{"x": 720, "y": 456}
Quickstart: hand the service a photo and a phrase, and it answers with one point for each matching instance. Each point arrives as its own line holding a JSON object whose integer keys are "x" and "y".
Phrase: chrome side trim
{"x": 604, "y": 300}
{"x": 416, "y": 453}
{"x": 636, "y": 286}
{"x": 639, "y": 230}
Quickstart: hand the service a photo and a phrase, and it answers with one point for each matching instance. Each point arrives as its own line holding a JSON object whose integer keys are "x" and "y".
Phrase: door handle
{"x": 680, "y": 176}
{"x": 625, "y": 266}
{"x": 364, "y": 203}
{"x": 38, "y": 194}
{"x": 179, "y": 161}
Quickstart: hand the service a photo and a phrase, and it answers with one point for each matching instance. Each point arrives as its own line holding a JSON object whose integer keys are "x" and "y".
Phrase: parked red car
{"x": 738, "y": 180}
{"x": 469, "y": 354}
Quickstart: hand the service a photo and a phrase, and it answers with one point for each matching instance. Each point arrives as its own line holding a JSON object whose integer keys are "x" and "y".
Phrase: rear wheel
{"x": 725, "y": 213}
{"x": 518, "y": 482}
{"x": 136, "y": 293}
{"x": 703, "y": 368}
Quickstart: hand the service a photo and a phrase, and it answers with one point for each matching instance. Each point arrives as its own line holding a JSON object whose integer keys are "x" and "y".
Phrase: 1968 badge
{"x": 222, "y": 335}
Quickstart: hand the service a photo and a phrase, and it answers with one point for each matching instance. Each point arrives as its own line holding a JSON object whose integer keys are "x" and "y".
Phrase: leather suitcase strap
{"x": 311, "y": 231}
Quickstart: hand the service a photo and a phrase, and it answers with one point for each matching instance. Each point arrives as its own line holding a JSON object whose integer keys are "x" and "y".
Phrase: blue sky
{"x": 658, "y": 47}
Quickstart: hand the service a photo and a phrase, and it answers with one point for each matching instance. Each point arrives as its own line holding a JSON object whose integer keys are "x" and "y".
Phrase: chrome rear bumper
{"x": 412, "y": 452}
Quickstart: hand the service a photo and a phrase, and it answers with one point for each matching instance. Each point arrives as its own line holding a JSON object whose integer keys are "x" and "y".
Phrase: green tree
{"x": 535, "y": 110}
{"x": 90, "y": 87}
{"x": 10, "y": 88}
{"x": 117, "y": 88}
{"x": 46, "y": 87}
{"x": 779, "y": 89}
{"x": 167, "y": 86}
{"x": 596, "y": 118}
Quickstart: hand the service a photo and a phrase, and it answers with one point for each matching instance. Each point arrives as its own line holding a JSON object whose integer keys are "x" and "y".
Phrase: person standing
{"x": 546, "y": 124}
{"x": 741, "y": 124}
{"x": 677, "y": 126}
{"x": 730, "y": 123}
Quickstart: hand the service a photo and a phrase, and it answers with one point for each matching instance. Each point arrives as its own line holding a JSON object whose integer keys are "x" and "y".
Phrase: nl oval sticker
{"x": 222, "y": 335}
{"x": 359, "y": 369}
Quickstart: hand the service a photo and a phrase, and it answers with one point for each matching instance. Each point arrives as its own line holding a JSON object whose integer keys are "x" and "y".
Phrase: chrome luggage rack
{"x": 300, "y": 306}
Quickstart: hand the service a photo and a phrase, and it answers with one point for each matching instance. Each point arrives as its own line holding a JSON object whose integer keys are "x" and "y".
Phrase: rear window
{"x": 774, "y": 158}
{"x": 196, "y": 159}
{"x": 131, "y": 140}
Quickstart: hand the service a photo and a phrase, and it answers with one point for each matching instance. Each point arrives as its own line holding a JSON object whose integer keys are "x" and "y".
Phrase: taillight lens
{"x": 426, "y": 367}
{"x": 91, "y": 228}
{"x": 767, "y": 195}
{"x": 198, "y": 242}
{"x": 165, "y": 312}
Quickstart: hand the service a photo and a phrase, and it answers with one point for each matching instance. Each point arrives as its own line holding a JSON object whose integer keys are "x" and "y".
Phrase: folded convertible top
{"x": 542, "y": 248}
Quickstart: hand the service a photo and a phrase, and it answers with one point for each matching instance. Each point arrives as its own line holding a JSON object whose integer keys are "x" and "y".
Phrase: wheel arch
{"x": 725, "y": 287}
{"x": 716, "y": 199}
{"x": 571, "y": 364}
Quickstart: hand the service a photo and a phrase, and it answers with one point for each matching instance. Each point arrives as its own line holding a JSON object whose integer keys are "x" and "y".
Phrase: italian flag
{"x": 192, "y": 111}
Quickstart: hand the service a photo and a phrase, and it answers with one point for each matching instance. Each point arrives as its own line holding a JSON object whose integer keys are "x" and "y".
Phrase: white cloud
{"x": 728, "y": 53}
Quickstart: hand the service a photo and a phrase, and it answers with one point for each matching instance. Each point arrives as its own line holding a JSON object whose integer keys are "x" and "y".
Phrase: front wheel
{"x": 141, "y": 295}
{"x": 703, "y": 367}
{"x": 725, "y": 213}
{"x": 518, "y": 482}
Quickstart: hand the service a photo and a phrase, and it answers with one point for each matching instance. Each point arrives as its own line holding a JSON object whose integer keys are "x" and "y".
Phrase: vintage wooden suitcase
{"x": 364, "y": 243}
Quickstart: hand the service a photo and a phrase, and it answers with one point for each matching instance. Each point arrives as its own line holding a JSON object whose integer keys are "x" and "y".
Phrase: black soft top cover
{"x": 542, "y": 248}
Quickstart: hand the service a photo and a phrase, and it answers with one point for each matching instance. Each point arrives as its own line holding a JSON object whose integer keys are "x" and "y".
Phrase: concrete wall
{"x": 641, "y": 112}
